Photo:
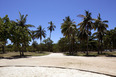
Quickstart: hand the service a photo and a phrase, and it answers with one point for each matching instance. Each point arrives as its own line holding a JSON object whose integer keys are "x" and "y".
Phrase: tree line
{"x": 77, "y": 37}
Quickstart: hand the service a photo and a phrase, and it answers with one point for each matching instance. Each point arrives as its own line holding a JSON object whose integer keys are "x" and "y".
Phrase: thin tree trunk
{"x": 19, "y": 51}
{"x": 98, "y": 46}
{"x": 50, "y": 44}
{"x": 87, "y": 43}
{"x": 87, "y": 46}
{"x": 40, "y": 46}
{"x": 101, "y": 46}
{"x": 50, "y": 34}
{"x": 3, "y": 51}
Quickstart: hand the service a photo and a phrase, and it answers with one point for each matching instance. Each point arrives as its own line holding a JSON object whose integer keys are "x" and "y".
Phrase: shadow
{"x": 62, "y": 68}
{"x": 80, "y": 70}
{"x": 15, "y": 57}
{"x": 110, "y": 55}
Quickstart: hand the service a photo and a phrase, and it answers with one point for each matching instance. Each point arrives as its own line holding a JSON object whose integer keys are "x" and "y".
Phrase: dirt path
{"x": 96, "y": 65}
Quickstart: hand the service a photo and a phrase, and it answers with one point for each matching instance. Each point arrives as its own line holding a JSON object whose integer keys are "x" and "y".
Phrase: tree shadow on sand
{"x": 16, "y": 57}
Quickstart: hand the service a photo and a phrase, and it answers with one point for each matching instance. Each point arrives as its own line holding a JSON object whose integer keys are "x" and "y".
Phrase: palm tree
{"x": 24, "y": 31}
{"x": 101, "y": 27}
{"x": 40, "y": 32}
{"x": 68, "y": 29}
{"x": 82, "y": 37}
{"x": 51, "y": 27}
{"x": 86, "y": 24}
{"x": 32, "y": 34}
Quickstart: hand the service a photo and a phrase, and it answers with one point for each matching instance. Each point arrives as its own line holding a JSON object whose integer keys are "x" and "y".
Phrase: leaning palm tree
{"x": 68, "y": 29}
{"x": 40, "y": 32}
{"x": 101, "y": 27}
{"x": 86, "y": 24}
{"x": 51, "y": 27}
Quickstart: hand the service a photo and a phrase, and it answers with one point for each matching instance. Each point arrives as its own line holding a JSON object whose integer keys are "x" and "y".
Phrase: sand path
{"x": 58, "y": 65}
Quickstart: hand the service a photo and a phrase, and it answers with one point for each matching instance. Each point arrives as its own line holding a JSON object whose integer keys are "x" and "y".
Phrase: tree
{"x": 86, "y": 24}
{"x": 68, "y": 29}
{"x": 63, "y": 44}
{"x": 32, "y": 34}
{"x": 51, "y": 27}
{"x": 20, "y": 33}
{"x": 48, "y": 43}
{"x": 40, "y": 32}
{"x": 34, "y": 44}
{"x": 101, "y": 27}
{"x": 4, "y": 31}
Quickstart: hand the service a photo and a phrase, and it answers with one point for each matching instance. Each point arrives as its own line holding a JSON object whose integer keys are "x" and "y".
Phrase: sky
{"x": 40, "y": 12}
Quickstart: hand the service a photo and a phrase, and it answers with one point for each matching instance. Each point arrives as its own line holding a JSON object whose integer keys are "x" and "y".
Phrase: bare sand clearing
{"x": 58, "y": 65}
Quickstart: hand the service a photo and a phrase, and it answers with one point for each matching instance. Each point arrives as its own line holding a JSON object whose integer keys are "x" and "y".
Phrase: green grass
{"x": 95, "y": 54}
{"x": 17, "y": 54}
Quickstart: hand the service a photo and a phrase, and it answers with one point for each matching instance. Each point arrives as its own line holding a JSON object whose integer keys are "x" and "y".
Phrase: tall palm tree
{"x": 68, "y": 29}
{"x": 51, "y": 27}
{"x": 40, "y": 32}
{"x": 101, "y": 27}
{"x": 86, "y": 24}
{"x": 21, "y": 22}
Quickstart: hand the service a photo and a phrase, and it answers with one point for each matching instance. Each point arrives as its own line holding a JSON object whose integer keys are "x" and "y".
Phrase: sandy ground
{"x": 58, "y": 65}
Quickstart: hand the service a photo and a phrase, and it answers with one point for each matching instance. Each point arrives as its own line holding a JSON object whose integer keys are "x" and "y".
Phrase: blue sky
{"x": 40, "y": 12}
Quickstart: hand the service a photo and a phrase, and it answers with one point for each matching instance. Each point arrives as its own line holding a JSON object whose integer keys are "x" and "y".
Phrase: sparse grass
{"x": 17, "y": 54}
{"x": 94, "y": 54}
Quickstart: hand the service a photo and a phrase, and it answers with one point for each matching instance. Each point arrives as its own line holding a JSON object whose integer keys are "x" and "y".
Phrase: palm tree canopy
{"x": 51, "y": 27}
{"x": 68, "y": 27}
{"x": 40, "y": 32}
{"x": 87, "y": 21}
{"x": 99, "y": 24}
{"x": 22, "y": 21}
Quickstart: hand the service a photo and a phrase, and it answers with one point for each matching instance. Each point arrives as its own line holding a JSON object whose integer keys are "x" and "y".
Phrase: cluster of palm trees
{"x": 82, "y": 31}
{"x": 19, "y": 33}
{"x": 78, "y": 37}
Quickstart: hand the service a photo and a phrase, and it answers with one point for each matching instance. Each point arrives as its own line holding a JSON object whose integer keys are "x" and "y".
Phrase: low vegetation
{"x": 27, "y": 54}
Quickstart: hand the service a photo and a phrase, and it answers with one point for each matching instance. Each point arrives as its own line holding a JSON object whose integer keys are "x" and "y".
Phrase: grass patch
{"x": 27, "y": 54}
{"x": 94, "y": 54}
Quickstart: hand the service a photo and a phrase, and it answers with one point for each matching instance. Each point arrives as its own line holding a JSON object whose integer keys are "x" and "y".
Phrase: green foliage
{"x": 63, "y": 44}
{"x": 49, "y": 44}
{"x": 76, "y": 37}
{"x": 51, "y": 27}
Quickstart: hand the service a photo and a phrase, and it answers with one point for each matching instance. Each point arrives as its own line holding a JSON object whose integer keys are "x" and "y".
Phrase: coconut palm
{"x": 24, "y": 32}
{"x": 40, "y": 32}
{"x": 51, "y": 27}
{"x": 86, "y": 24}
{"x": 68, "y": 29}
{"x": 101, "y": 27}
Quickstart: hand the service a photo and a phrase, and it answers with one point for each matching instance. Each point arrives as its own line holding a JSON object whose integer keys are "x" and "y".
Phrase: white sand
{"x": 103, "y": 65}
{"x": 44, "y": 72}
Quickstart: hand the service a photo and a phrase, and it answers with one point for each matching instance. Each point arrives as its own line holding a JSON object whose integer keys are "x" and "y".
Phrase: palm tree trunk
{"x": 3, "y": 51}
{"x": 98, "y": 46}
{"x": 50, "y": 34}
{"x": 87, "y": 42}
{"x": 87, "y": 46}
{"x": 101, "y": 46}
{"x": 40, "y": 46}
